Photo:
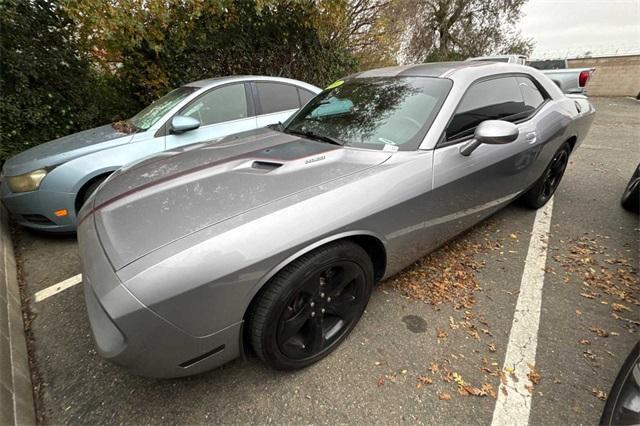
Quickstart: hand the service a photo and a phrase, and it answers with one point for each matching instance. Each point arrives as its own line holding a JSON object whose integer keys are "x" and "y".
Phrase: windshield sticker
{"x": 335, "y": 84}
{"x": 390, "y": 148}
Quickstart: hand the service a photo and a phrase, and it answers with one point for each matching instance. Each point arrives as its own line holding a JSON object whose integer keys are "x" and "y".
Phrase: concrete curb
{"x": 16, "y": 391}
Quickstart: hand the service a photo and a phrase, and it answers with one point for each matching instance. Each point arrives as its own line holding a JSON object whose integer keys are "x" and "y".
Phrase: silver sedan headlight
{"x": 26, "y": 182}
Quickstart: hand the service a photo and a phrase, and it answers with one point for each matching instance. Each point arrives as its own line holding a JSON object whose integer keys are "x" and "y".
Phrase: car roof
{"x": 431, "y": 69}
{"x": 215, "y": 81}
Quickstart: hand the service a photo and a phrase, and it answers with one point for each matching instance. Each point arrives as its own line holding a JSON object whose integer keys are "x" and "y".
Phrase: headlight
{"x": 27, "y": 182}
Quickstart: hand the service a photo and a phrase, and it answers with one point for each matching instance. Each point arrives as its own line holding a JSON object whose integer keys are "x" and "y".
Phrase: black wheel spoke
{"x": 343, "y": 307}
{"x": 342, "y": 279}
{"x": 316, "y": 332}
{"x": 290, "y": 327}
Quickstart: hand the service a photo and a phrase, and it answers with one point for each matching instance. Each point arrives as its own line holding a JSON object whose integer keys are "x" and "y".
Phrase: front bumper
{"x": 35, "y": 209}
{"x": 129, "y": 334}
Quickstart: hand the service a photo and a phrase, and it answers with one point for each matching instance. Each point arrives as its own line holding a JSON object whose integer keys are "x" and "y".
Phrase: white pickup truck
{"x": 570, "y": 80}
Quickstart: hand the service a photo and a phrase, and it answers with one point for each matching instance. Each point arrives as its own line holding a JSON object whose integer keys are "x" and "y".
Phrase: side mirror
{"x": 491, "y": 132}
{"x": 181, "y": 123}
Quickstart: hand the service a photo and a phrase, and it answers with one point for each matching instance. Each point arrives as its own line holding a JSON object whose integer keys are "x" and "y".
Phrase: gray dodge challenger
{"x": 271, "y": 240}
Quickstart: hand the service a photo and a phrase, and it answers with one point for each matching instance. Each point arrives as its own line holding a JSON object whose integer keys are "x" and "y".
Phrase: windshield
{"x": 158, "y": 108}
{"x": 373, "y": 112}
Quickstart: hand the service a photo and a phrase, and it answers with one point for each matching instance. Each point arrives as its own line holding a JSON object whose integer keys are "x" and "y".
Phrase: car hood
{"x": 155, "y": 202}
{"x": 63, "y": 149}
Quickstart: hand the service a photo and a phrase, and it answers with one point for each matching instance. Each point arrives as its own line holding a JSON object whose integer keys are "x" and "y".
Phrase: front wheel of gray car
{"x": 311, "y": 306}
{"x": 544, "y": 188}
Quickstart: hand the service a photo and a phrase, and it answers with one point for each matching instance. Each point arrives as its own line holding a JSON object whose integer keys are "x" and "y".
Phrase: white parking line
{"x": 514, "y": 406}
{"x": 57, "y": 288}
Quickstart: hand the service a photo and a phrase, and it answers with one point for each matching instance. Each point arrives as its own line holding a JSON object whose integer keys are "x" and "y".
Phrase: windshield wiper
{"x": 277, "y": 126}
{"x": 315, "y": 136}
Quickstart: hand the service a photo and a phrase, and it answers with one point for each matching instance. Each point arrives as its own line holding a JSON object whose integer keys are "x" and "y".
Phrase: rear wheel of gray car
{"x": 631, "y": 196}
{"x": 538, "y": 195}
{"x": 309, "y": 307}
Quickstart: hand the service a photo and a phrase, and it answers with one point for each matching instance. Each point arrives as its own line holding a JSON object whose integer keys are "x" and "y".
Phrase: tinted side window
{"x": 495, "y": 99}
{"x": 274, "y": 97}
{"x": 305, "y": 96}
{"x": 219, "y": 105}
{"x": 532, "y": 96}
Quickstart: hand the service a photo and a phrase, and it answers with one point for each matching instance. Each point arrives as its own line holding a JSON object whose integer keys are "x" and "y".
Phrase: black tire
{"x": 544, "y": 188}
{"x": 631, "y": 195}
{"x": 293, "y": 323}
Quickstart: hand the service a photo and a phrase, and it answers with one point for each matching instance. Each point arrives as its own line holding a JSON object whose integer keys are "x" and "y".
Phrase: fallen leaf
{"x": 585, "y": 342}
{"x": 423, "y": 380}
{"x": 441, "y": 334}
{"x": 381, "y": 381}
{"x": 443, "y": 396}
{"x": 599, "y": 331}
{"x": 601, "y": 395}
{"x": 452, "y": 324}
{"x": 492, "y": 346}
{"x": 618, "y": 307}
{"x": 488, "y": 390}
{"x": 434, "y": 367}
{"x": 533, "y": 375}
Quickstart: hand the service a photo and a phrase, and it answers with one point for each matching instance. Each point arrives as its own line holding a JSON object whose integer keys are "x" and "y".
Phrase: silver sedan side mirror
{"x": 182, "y": 123}
{"x": 492, "y": 132}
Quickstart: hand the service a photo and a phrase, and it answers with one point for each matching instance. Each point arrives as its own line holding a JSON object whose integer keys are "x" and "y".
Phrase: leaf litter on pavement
{"x": 449, "y": 277}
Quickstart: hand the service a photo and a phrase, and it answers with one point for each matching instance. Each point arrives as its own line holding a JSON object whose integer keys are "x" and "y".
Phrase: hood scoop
{"x": 265, "y": 166}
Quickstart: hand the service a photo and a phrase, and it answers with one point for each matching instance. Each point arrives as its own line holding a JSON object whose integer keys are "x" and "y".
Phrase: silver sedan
{"x": 273, "y": 239}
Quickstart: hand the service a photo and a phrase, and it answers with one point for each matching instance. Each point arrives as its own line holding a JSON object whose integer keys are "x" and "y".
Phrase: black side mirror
{"x": 492, "y": 132}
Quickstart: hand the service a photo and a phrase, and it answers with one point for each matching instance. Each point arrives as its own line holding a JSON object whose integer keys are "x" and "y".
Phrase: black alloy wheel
{"x": 323, "y": 309}
{"x": 554, "y": 174}
{"x": 541, "y": 192}
{"x": 311, "y": 306}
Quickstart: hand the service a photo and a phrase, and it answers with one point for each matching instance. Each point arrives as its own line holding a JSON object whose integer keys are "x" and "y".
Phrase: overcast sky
{"x": 566, "y": 28}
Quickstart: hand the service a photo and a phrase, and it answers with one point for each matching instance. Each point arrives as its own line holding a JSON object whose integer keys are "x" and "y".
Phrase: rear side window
{"x": 530, "y": 93}
{"x": 305, "y": 96}
{"x": 275, "y": 97}
{"x": 495, "y": 99}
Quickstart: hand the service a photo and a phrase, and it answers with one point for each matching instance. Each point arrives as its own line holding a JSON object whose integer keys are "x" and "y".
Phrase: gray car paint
{"x": 175, "y": 249}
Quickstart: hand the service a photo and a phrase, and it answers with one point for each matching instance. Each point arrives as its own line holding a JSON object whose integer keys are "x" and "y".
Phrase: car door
{"x": 468, "y": 188}
{"x": 222, "y": 111}
{"x": 275, "y": 101}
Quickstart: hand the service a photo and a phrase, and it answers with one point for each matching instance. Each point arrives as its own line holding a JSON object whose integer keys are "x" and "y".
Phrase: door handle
{"x": 531, "y": 137}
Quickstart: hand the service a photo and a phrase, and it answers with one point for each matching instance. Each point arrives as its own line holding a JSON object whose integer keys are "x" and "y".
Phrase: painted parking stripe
{"x": 57, "y": 288}
{"x": 514, "y": 406}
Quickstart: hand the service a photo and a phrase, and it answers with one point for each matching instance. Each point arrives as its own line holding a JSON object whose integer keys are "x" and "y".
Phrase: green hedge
{"x": 51, "y": 87}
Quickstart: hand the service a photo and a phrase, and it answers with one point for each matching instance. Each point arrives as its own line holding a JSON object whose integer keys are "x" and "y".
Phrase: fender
{"x": 273, "y": 271}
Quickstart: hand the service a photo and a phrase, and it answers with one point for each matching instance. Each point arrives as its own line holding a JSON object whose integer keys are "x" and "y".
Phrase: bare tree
{"x": 439, "y": 30}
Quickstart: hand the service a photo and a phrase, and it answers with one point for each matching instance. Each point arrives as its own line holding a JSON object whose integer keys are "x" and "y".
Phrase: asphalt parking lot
{"x": 431, "y": 347}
